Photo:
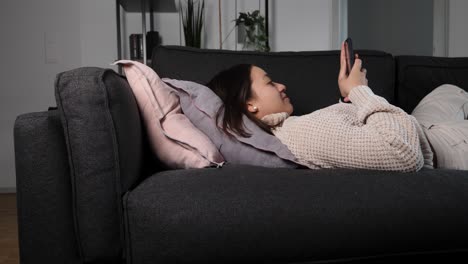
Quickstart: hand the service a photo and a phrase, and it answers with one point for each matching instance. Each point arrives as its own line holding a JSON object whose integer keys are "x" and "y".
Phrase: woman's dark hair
{"x": 234, "y": 87}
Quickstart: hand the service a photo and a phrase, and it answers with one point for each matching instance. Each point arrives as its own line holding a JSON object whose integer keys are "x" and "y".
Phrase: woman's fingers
{"x": 357, "y": 65}
{"x": 343, "y": 52}
{"x": 342, "y": 73}
{"x": 364, "y": 72}
{"x": 363, "y": 76}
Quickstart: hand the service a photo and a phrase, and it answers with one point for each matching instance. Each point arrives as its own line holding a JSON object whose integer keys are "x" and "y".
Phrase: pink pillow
{"x": 174, "y": 139}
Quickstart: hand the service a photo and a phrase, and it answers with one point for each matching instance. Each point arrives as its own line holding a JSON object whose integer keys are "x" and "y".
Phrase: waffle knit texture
{"x": 370, "y": 133}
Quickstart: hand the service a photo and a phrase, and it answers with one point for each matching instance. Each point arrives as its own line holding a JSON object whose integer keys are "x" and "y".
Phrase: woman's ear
{"x": 252, "y": 108}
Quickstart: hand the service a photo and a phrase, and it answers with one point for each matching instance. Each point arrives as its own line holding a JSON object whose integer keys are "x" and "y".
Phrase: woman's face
{"x": 268, "y": 97}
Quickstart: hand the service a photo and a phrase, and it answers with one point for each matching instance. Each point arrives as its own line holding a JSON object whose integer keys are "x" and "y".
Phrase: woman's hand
{"x": 355, "y": 78}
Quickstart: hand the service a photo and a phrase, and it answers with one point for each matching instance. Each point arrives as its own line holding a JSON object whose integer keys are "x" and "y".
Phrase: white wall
{"x": 410, "y": 29}
{"x": 77, "y": 32}
{"x": 301, "y": 25}
{"x": 98, "y": 33}
{"x": 458, "y": 24}
{"x": 27, "y": 80}
{"x": 392, "y": 26}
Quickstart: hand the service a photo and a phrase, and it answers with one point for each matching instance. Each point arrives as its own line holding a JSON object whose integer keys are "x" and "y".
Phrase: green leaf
{"x": 192, "y": 14}
{"x": 254, "y": 25}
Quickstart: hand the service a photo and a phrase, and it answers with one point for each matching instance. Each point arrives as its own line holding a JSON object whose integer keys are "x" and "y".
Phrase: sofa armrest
{"x": 45, "y": 220}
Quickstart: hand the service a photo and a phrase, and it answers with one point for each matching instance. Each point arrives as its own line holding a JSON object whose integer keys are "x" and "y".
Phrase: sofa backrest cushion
{"x": 173, "y": 138}
{"x": 310, "y": 77}
{"x": 99, "y": 116}
{"x": 417, "y": 76}
{"x": 200, "y": 105}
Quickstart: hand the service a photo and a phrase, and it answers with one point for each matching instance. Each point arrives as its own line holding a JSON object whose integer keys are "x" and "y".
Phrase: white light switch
{"x": 51, "y": 47}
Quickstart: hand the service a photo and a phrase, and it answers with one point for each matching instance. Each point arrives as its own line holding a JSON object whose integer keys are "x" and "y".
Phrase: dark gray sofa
{"x": 89, "y": 190}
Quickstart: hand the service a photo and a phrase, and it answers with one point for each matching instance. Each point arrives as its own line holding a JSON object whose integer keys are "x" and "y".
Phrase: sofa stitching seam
{"x": 116, "y": 179}
{"x": 70, "y": 161}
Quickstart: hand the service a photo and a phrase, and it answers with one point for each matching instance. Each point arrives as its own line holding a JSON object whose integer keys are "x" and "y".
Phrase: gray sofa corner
{"x": 89, "y": 190}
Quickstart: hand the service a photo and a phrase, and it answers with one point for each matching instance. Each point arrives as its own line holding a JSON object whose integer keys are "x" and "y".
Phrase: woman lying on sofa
{"x": 369, "y": 133}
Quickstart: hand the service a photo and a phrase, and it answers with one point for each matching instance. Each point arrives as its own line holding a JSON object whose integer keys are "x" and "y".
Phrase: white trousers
{"x": 443, "y": 115}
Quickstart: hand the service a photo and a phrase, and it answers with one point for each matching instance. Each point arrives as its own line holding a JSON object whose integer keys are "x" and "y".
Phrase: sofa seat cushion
{"x": 239, "y": 213}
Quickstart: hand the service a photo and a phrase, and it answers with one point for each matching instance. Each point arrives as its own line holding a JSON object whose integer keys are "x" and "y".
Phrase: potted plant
{"x": 255, "y": 33}
{"x": 192, "y": 20}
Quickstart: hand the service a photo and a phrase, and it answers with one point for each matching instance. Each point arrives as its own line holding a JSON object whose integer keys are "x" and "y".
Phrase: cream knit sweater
{"x": 370, "y": 133}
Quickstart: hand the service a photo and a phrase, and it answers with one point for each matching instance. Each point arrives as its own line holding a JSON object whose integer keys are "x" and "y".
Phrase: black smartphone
{"x": 349, "y": 52}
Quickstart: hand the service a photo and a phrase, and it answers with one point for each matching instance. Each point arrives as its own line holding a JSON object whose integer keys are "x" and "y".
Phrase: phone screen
{"x": 349, "y": 55}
